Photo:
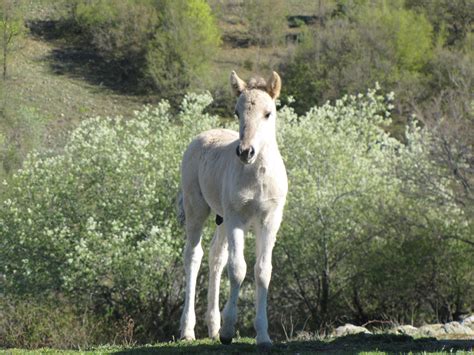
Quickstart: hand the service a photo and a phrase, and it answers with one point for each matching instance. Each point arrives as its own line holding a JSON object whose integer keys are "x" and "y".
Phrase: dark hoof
{"x": 224, "y": 340}
{"x": 264, "y": 347}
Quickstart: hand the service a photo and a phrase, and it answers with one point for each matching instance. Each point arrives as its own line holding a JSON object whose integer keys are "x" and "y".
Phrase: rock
{"x": 457, "y": 328}
{"x": 349, "y": 329}
{"x": 468, "y": 322}
{"x": 431, "y": 330}
{"x": 405, "y": 330}
{"x": 437, "y": 330}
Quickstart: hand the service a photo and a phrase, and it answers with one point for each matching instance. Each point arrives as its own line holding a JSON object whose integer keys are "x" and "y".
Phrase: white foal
{"x": 241, "y": 178}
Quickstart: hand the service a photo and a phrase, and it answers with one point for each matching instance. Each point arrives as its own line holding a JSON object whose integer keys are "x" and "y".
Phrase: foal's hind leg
{"x": 217, "y": 260}
{"x": 196, "y": 211}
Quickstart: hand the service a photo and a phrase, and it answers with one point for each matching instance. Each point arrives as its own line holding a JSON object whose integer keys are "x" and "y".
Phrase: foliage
{"x": 21, "y": 130}
{"x": 33, "y": 324}
{"x": 370, "y": 228}
{"x": 410, "y": 33}
{"x": 454, "y": 17}
{"x": 383, "y": 43}
{"x": 119, "y": 30}
{"x": 11, "y": 28}
{"x": 370, "y": 224}
{"x": 167, "y": 44}
{"x": 266, "y": 21}
{"x": 178, "y": 55}
{"x": 97, "y": 222}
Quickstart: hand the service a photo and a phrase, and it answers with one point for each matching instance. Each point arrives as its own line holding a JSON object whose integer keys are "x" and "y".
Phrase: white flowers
{"x": 103, "y": 209}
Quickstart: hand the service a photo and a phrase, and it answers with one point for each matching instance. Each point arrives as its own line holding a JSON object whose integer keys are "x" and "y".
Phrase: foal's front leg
{"x": 237, "y": 269}
{"x": 265, "y": 240}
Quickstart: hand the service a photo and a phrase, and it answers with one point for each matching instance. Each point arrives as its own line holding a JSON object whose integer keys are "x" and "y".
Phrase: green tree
{"x": 266, "y": 21}
{"x": 382, "y": 43}
{"x": 370, "y": 224}
{"x": 11, "y": 28}
{"x": 162, "y": 44}
{"x": 456, "y": 17}
{"x": 120, "y": 31}
{"x": 178, "y": 55}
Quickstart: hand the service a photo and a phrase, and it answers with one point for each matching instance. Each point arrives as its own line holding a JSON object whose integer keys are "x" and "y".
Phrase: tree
{"x": 11, "y": 28}
{"x": 371, "y": 42}
{"x": 266, "y": 23}
{"x": 179, "y": 53}
{"x": 161, "y": 44}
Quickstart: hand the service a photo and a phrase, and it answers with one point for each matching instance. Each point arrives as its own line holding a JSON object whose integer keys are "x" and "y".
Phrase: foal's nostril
{"x": 251, "y": 152}
{"x": 245, "y": 155}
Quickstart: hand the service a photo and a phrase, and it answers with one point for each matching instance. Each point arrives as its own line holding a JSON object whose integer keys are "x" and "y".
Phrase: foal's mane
{"x": 257, "y": 82}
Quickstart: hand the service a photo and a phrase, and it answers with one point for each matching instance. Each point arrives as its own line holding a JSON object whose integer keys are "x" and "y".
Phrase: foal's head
{"x": 256, "y": 111}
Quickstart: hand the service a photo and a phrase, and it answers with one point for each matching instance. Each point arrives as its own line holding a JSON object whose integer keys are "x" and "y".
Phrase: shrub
{"x": 164, "y": 45}
{"x": 370, "y": 229}
{"x": 97, "y": 222}
{"x": 120, "y": 30}
{"x": 179, "y": 53}
{"x": 368, "y": 222}
{"x": 381, "y": 43}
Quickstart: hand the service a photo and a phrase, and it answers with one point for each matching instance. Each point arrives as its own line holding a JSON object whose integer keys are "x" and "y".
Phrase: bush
{"x": 178, "y": 56}
{"x": 97, "y": 222}
{"x": 164, "y": 45}
{"x": 370, "y": 231}
{"x": 382, "y": 43}
{"x": 370, "y": 224}
{"x": 266, "y": 21}
{"x": 119, "y": 30}
{"x": 55, "y": 323}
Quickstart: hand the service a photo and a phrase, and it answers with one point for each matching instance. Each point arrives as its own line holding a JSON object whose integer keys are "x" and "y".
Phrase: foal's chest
{"x": 258, "y": 191}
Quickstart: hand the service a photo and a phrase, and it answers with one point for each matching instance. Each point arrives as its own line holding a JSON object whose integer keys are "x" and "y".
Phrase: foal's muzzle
{"x": 245, "y": 155}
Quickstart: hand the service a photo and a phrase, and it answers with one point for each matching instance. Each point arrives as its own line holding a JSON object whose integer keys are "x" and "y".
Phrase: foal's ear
{"x": 237, "y": 84}
{"x": 274, "y": 86}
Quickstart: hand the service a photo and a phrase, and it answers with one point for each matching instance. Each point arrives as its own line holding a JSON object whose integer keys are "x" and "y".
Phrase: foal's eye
{"x": 267, "y": 115}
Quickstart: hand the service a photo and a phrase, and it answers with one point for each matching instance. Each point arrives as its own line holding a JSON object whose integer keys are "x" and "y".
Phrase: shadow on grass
{"x": 344, "y": 345}
{"x": 76, "y": 58}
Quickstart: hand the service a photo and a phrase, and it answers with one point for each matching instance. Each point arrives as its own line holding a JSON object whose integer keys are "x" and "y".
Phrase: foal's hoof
{"x": 264, "y": 347}
{"x": 188, "y": 338}
{"x": 225, "y": 340}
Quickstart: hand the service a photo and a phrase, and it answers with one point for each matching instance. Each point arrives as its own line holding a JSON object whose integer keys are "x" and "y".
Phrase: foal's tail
{"x": 180, "y": 209}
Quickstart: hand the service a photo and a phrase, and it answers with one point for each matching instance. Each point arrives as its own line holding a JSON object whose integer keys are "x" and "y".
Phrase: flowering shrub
{"x": 365, "y": 228}
{"x": 366, "y": 217}
{"x": 98, "y": 220}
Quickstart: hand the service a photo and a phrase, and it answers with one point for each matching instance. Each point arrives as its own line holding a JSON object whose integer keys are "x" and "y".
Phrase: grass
{"x": 351, "y": 344}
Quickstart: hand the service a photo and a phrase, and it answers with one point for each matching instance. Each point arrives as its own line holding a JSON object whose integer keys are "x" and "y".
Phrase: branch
{"x": 469, "y": 242}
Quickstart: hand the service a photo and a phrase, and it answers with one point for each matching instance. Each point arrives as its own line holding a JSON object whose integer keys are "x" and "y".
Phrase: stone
{"x": 432, "y": 330}
{"x": 348, "y": 329}
{"x": 468, "y": 322}
{"x": 440, "y": 330}
{"x": 457, "y": 328}
{"x": 405, "y": 330}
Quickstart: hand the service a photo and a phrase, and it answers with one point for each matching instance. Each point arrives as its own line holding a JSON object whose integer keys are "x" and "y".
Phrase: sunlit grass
{"x": 352, "y": 344}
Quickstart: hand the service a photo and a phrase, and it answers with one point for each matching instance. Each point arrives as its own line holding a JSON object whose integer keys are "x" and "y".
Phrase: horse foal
{"x": 240, "y": 177}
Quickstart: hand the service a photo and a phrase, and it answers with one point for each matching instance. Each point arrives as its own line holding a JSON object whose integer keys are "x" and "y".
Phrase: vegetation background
{"x": 375, "y": 124}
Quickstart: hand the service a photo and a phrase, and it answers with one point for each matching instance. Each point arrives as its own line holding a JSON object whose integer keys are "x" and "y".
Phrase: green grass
{"x": 351, "y": 344}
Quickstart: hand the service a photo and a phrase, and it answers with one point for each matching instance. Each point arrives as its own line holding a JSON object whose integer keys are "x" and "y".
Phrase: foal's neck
{"x": 268, "y": 153}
